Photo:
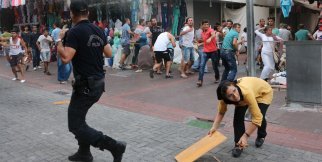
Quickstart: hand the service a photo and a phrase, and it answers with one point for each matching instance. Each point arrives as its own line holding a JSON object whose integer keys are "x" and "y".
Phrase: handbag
{"x": 276, "y": 56}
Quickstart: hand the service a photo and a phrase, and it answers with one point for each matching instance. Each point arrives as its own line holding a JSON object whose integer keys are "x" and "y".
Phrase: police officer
{"x": 84, "y": 45}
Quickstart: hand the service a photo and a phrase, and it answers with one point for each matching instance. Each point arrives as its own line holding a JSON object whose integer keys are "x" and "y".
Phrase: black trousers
{"x": 85, "y": 94}
{"x": 137, "y": 48}
{"x": 239, "y": 125}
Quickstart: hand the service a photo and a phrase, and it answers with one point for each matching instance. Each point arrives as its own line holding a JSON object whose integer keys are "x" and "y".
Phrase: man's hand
{"x": 208, "y": 40}
{"x": 243, "y": 141}
{"x": 212, "y": 131}
{"x": 62, "y": 33}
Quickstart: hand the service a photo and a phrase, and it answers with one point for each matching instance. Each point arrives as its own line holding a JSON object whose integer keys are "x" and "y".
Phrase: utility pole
{"x": 250, "y": 38}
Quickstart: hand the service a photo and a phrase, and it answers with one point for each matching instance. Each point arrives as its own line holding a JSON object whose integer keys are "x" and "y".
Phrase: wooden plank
{"x": 61, "y": 102}
{"x": 201, "y": 147}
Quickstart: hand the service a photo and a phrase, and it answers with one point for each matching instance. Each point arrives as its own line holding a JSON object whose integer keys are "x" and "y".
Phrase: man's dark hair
{"x": 79, "y": 7}
{"x": 168, "y": 29}
{"x": 125, "y": 20}
{"x": 216, "y": 26}
{"x": 141, "y": 21}
{"x": 271, "y": 18}
{"x": 245, "y": 30}
{"x": 231, "y": 21}
{"x": 57, "y": 24}
{"x": 4, "y": 29}
{"x": 15, "y": 29}
{"x": 188, "y": 19}
{"x": 46, "y": 29}
{"x": 235, "y": 25}
{"x": 204, "y": 21}
{"x": 153, "y": 18}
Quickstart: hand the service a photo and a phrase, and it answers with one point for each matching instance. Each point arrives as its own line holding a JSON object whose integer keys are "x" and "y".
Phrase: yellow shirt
{"x": 254, "y": 90}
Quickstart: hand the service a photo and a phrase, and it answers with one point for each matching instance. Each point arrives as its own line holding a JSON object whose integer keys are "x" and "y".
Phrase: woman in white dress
{"x": 268, "y": 40}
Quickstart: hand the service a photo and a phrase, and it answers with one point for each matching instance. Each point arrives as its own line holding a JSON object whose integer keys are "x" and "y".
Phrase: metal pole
{"x": 250, "y": 38}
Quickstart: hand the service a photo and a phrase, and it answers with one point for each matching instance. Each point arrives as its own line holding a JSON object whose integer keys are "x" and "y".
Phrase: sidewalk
{"x": 176, "y": 100}
{"x": 33, "y": 129}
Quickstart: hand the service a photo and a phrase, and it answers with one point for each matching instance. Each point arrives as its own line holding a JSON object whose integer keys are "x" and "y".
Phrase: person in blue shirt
{"x": 228, "y": 52}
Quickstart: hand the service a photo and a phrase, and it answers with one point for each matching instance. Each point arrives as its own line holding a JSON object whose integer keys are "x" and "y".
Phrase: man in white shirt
{"x": 187, "y": 43}
{"x": 43, "y": 44}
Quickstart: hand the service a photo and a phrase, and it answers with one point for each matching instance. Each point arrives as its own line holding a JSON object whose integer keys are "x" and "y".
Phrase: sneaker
{"x": 259, "y": 142}
{"x": 151, "y": 73}
{"x": 118, "y": 151}
{"x": 34, "y": 69}
{"x": 138, "y": 71}
{"x": 48, "y": 73}
{"x": 184, "y": 76}
{"x": 236, "y": 152}
{"x": 14, "y": 79}
{"x": 22, "y": 81}
{"x": 63, "y": 82}
{"x": 81, "y": 157}
{"x": 128, "y": 67}
{"x": 39, "y": 67}
{"x": 216, "y": 80}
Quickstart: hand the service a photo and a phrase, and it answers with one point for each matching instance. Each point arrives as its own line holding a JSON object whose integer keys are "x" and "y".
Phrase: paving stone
{"x": 32, "y": 129}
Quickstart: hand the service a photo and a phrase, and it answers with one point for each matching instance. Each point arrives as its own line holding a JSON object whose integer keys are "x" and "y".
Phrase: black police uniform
{"x": 88, "y": 41}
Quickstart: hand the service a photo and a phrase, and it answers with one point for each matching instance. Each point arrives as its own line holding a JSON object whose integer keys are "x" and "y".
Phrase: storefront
{"x": 171, "y": 13}
{"x": 29, "y": 12}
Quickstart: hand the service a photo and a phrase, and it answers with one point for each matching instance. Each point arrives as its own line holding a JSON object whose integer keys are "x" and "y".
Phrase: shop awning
{"x": 271, "y": 3}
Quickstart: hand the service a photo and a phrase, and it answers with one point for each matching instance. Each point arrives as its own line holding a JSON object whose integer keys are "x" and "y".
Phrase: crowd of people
{"x": 222, "y": 43}
{"x": 22, "y": 48}
{"x": 86, "y": 44}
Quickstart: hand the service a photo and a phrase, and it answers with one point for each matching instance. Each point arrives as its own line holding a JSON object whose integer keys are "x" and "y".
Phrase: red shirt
{"x": 212, "y": 46}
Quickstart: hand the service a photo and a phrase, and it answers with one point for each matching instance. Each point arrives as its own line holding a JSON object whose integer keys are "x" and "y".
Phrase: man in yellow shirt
{"x": 247, "y": 92}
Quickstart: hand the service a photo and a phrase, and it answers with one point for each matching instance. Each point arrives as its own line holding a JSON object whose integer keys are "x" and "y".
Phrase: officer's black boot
{"x": 83, "y": 154}
{"x": 117, "y": 148}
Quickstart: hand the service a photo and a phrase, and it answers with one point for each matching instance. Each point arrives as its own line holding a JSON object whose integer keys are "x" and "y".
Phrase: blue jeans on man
{"x": 188, "y": 54}
{"x": 229, "y": 62}
{"x": 214, "y": 56}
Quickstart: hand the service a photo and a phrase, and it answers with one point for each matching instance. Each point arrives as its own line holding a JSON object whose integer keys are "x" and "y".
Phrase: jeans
{"x": 35, "y": 57}
{"x": 84, "y": 95}
{"x": 136, "y": 54}
{"x": 229, "y": 62}
{"x": 188, "y": 54}
{"x": 239, "y": 125}
{"x": 214, "y": 56}
{"x": 197, "y": 64}
{"x": 64, "y": 70}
